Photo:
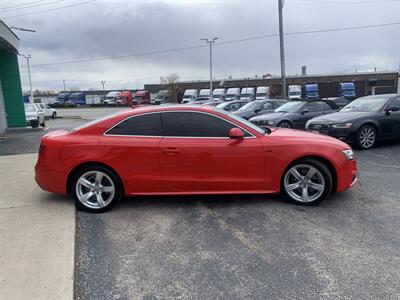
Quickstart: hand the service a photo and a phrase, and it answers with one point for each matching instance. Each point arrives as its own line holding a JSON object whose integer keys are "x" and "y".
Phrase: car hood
{"x": 270, "y": 116}
{"x": 340, "y": 117}
{"x": 243, "y": 113}
{"x": 301, "y": 136}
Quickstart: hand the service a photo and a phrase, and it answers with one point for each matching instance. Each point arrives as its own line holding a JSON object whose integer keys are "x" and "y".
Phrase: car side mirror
{"x": 236, "y": 133}
{"x": 392, "y": 109}
{"x": 304, "y": 111}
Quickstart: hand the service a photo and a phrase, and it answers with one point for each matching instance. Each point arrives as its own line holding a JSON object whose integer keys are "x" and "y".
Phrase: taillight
{"x": 42, "y": 150}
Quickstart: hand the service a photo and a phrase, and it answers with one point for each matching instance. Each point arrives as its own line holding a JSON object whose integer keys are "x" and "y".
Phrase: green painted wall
{"x": 12, "y": 91}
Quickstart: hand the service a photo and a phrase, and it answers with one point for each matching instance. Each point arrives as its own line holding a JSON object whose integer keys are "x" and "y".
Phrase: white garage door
{"x": 3, "y": 121}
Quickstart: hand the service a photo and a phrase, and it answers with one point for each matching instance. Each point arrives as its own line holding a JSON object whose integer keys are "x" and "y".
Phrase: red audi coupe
{"x": 183, "y": 149}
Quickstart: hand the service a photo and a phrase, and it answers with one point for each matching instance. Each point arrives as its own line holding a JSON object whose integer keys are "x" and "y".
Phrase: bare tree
{"x": 169, "y": 83}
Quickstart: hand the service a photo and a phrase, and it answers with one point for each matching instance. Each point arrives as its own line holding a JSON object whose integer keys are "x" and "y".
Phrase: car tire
{"x": 366, "y": 137}
{"x": 96, "y": 189}
{"x": 43, "y": 124}
{"x": 285, "y": 124}
{"x": 54, "y": 115}
{"x": 35, "y": 123}
{"x": 298, "y": 187}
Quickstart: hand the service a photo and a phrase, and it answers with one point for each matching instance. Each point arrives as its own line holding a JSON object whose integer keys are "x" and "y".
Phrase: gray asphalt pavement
{"x": 243, "y": 247}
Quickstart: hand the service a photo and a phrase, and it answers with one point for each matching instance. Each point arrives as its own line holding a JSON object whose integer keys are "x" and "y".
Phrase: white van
{"x": 111, "y": 98}
{"x": 247, "y": 94}
{"x": 204, "y": 93}
{"x": 189, "y": 95}
{"x": 294, "y": 92}
{"x": 262, "y": 93}
{"x": 218, "y": 95}
{"x": 232, "y": 94}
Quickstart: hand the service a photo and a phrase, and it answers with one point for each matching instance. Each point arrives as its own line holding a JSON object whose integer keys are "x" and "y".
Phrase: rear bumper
{"x": 49, "y": 180}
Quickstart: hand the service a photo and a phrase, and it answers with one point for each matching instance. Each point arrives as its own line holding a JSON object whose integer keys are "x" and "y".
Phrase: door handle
{"x": 170, "y": 151}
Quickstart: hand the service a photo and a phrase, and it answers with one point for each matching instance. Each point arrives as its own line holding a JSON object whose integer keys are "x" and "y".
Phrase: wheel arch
{"x": 87, "y": 164}
{"x": 285, "y": 120}
{"x": 372, "y": 124}
{"x": 321, "y": 159}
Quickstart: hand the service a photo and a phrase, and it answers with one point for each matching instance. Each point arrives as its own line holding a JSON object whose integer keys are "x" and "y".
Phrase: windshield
{"x": 108, "y": 98}
{"x": 294, "y": 93}
{"x": 290, "y": 107}
{"x": 241, "y": 120}
{"x": 261, "y": 94}
{"x": 231, "y": 95}
{"x": 30, "y": 108}
{"x": 249, "y": 106}
{"x": 187, "y": 97}
{"x": 245, "y": 95}
{"x": 366, "y": 104}
{"x": 217, "y": 96}
{"x": 223, "y": 105}
{"x": 138, "y": 97}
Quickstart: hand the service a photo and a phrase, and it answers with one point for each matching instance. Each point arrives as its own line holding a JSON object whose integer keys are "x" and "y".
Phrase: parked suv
{"x": 47, "y": 110}
{"x": 33, "y": 115}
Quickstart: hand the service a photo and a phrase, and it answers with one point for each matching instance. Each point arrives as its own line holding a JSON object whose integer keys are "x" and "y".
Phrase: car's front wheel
{"x": 96, "y": 189}
{"x": 285, "y": 124}
{"x": 366, "y": 137}
{"x": 307, "y": 182}
{"x": 54, "y": 115}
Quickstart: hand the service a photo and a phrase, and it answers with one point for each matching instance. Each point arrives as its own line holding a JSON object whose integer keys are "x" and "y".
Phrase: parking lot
{"x": 239, "y": 247}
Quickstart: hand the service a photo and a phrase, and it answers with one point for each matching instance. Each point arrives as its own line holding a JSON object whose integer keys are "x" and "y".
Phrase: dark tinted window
{"x": 193, "y": 124}
{"x": 394, "y": 103}
{"x": 141, "y": 125}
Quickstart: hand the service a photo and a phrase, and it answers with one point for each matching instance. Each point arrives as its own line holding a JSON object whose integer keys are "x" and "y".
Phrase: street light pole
{"x": 282, "y": 48}
{"x": 29, "y": 75}
{"x": 210, "y": 42}
{"x": 103, "y": 82}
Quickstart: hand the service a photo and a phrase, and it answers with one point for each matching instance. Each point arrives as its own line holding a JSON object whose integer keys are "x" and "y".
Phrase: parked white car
{"x": 47, "y": 110}
{"x": 34, "y": 116}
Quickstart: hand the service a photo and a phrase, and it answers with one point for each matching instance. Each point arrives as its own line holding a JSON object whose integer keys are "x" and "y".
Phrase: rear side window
{"x": 145, "y": 125}
{"x": 192, "y": 124}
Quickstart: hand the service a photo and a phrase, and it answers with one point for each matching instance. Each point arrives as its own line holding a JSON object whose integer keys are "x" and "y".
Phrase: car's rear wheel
{"x": 366, "y": 137}
{"x": 43, "y": 124}
{"x": 307, "y": 182}
{"x": 285, "y": 124}
{"x": 96, "y": 189}
{"x": 35, "y": 123}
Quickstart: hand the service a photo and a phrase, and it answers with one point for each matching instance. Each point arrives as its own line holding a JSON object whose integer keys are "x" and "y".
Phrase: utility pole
{"x": 398, "y": 80}
{"x": 282, "y": 47}
{"x": 63, "y": 85}
{"x": 103, "y": 82}
{"x": 210, "y": 42}
{"x": 29, "y": 75}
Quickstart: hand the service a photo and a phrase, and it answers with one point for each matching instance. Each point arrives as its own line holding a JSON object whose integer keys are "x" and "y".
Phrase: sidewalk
{"x": 37, "y": 235}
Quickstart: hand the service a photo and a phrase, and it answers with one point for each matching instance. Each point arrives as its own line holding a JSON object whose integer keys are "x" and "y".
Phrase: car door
{"x": 197, "y": 155}
{"x": 131, "y": 147}
{"x": 311, "y": 110}
{"x": 390, "y": 122}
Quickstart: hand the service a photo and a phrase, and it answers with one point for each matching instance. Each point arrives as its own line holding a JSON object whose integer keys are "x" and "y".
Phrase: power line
{"x": 6, "y": 10}
{"x": 23, "y": 4}
{"x": 216, "y": 44}
{"x": 47, "y": 10}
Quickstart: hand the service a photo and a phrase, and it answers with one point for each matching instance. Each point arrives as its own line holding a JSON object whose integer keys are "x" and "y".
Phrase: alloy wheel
{"x": 304, "y": 183}
{"x": 367, "y": 137}
{"x": 284, "y": 124}
{"x": 95, "y": 189}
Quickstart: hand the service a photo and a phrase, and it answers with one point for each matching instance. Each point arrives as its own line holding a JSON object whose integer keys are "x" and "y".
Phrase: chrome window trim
{"x": 163, "y": 136}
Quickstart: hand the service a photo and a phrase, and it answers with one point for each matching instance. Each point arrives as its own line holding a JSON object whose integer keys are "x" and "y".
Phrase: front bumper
{"x": 344, "y": 134}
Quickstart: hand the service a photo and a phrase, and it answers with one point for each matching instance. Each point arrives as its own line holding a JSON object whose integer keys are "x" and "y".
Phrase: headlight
{"x": 342, "y": 125}
{"x": 349, "y": 154}
{"x": 270, "y": 122}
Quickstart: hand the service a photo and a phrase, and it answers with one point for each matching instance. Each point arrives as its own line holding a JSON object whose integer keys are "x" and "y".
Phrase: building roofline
{"x": 7, "y": 35}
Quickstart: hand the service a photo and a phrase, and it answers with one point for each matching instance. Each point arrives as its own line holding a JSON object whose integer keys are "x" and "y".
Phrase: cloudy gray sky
{"x": 107, "y": 28}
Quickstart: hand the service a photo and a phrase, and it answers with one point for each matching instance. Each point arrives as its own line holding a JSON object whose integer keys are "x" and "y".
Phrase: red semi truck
{"x": 124, "y": 98}
{"x": 141, "y": 98}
